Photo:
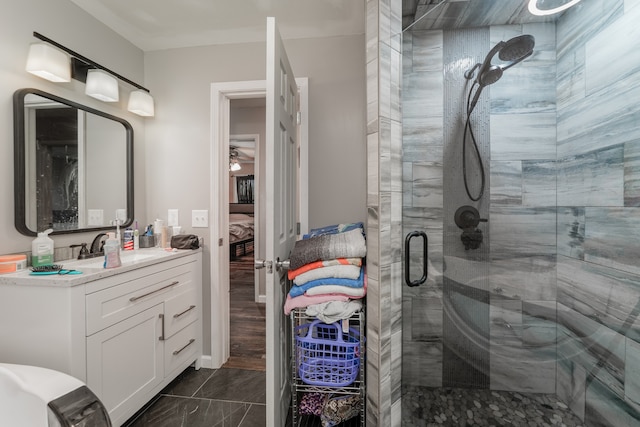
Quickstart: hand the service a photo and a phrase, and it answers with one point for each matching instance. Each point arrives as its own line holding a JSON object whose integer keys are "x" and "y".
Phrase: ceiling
{"x": 165, "y": 24}
{"x": 449, "y": 14}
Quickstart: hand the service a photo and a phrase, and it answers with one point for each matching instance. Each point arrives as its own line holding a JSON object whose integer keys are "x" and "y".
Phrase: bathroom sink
{"x": 125, "y": 256}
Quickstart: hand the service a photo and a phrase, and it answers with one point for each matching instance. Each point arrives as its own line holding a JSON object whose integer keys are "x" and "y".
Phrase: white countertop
{"x": 92, "y": 268}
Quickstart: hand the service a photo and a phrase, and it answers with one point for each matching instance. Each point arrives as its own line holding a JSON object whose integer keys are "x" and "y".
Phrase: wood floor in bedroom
{"x": 247, "y": 318}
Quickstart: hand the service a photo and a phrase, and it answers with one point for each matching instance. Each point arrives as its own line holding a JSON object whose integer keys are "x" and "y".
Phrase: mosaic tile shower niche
{"x": 545, "y": 315}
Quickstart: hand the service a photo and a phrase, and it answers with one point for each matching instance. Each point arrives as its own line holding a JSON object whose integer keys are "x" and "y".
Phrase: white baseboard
{"x": 262, "y": 299}
{"x": 206, "y": 361}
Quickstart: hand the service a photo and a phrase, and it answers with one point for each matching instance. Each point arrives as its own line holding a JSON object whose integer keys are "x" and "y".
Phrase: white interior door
{"x": 280, "y": 175}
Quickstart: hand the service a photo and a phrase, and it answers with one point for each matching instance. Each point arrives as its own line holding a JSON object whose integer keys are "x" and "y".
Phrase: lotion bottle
{"x": 42, "y": 249}
{"x": 112, "y": 251}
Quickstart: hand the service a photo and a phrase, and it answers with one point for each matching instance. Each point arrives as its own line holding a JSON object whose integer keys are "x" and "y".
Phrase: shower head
{"x": 490, "y": 75}
{"x": 512, "y": 51}
{"x": 517, "y": 49}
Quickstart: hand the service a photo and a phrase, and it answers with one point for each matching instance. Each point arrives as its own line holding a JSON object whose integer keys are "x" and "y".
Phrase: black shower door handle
{"x": 407, "y": 258}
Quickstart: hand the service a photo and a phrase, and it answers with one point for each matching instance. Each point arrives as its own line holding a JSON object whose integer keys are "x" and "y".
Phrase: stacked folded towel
{"x": 327, "y": 269}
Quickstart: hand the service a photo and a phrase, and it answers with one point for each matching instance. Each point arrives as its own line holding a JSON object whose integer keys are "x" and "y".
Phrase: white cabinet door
{"x": 125, "y": 360}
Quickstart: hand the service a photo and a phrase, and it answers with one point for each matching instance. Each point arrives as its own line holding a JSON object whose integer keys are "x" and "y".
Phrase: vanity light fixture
{"x": 535, "y": 9}
{"x": 48, "y": 62}
{"x": 141, "y": 103}
{"x": 102, "y": 86}
{"x": 102, "y": 83}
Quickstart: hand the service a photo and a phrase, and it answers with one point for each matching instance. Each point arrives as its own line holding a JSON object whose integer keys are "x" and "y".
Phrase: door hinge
{"x": 297, "y": 228}
{"x": 299, "y": 117}
{"x": 220, "y": 241}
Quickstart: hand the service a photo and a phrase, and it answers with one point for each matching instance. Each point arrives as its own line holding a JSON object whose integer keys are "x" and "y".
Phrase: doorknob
{"x": 261, "y": 263}
{"x": 282, "y": 265}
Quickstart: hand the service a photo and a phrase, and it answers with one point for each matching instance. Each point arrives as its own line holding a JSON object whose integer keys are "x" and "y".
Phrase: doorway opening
{"x": 247, "y": 298}
{"x": 225, "y": 97}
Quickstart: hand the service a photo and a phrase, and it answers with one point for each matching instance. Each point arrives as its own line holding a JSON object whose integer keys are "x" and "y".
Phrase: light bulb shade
{"x": 101, "y": 85}
{"x": 141, "y": 103}
{"x": 235, "y": 166}
{"x": 49, "y": 63}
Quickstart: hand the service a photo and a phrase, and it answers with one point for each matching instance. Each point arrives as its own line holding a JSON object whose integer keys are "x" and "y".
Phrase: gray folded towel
{"x": 350, "y": 244}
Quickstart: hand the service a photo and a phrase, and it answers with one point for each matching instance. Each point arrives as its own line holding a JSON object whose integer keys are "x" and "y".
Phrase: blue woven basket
{"x": 327, "y": 356}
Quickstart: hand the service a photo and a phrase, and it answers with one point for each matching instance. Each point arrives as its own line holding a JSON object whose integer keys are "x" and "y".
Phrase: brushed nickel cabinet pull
{"x": 161, "y": 316}
{"x": 133, "y": 299}
{"x": 175, "y": 316}
{"x": 191, "y": 341}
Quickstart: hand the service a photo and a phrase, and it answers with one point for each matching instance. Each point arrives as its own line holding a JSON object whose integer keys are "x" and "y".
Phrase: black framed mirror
{"x": 73, "y": 165}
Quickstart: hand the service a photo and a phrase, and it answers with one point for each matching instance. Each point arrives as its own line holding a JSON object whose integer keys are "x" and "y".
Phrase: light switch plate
{"x": 121, "y": 214}
{"x": 172, "y": 218}
{"x": 95, "y": 217}
{"x": 200, "y": 218}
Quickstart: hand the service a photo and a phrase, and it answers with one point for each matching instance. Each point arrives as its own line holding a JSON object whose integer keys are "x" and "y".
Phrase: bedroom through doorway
{"x": 246, "y": 295}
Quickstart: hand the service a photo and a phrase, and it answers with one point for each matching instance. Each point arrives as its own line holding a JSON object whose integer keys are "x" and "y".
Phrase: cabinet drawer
{"x": 114, "y": 304}
{"x": 181, "y": 348}
{"x": 180, "y": 310}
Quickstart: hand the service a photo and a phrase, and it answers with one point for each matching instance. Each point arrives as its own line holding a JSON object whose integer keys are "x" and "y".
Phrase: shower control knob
{"x": 467, "y": 217}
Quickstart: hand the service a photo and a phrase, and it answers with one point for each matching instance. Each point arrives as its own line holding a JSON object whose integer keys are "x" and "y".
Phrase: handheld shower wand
{"x": 513, "y": 51}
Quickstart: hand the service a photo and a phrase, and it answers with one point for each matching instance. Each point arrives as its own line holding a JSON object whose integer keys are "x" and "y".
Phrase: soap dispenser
{"x": 42, "y": 249}
{"x": 112, "y": 251}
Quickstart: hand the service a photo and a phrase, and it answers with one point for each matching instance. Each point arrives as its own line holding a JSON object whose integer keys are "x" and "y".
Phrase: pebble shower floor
{"x": 428, "y": 407}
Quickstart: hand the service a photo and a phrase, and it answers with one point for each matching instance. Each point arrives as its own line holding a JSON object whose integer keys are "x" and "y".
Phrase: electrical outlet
{"x": 172, "y": 218}
{"x": 200, "y": 218}
{"x": 95, "y": 217}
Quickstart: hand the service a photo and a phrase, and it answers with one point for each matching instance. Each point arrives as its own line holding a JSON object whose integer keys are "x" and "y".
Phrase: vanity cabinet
{"x": 126, "y": 336}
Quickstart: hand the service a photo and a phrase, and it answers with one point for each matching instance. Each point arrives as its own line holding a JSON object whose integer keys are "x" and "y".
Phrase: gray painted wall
{"x": 65, "y": 23}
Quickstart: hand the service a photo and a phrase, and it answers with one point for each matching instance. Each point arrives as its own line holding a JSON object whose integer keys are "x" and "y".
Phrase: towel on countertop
{"x": 343, "y": 283}
{"x": 332, "y": 311}
{"x": 305, "y": 301}
{"x": 334, "y": 271}
{"x": 333, "y": 229}
{"x": 292, "y": 274}
{"x": 350, "y": 244}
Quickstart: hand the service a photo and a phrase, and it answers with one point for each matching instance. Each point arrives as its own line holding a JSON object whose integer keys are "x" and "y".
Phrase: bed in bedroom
{"x": 241, "y": 229}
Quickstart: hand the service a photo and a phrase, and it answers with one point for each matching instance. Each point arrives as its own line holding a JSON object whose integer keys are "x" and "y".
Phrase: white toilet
{"x": 31, "y": 396}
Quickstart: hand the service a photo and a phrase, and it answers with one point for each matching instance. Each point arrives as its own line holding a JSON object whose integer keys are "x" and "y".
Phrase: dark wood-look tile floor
{"x": 247, "y": 318}
{"x": 207, "y": 397}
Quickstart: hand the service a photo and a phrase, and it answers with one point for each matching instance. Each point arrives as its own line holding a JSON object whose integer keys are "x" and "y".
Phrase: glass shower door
{"x": 484, "y": 320}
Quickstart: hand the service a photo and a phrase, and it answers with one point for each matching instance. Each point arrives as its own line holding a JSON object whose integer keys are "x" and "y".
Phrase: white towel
{"x": 337, "y": 289}
{"x": 332, "y": 311}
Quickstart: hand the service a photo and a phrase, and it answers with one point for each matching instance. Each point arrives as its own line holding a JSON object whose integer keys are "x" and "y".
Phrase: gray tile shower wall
{"x": 598, "y": 274}
{"x": 563, "y": 275}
